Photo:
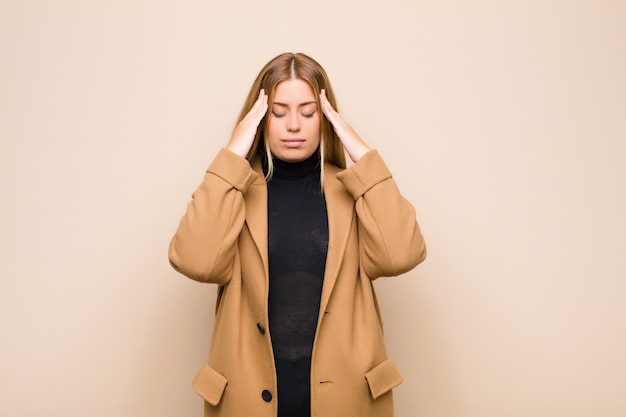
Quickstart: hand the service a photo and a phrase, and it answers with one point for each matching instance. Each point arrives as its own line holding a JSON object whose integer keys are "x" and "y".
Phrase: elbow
{"x": 420, "y": 253}
{"x": 195, "y": 267}
{"x": 185, "y": 267}
{"x": 412, "y": 256}
{"x": 417, "y": 250}
{"x": 396, "y": 260}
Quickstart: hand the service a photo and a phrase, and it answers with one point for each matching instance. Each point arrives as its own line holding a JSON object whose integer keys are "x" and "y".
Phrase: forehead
{"x": 293, "y": 92}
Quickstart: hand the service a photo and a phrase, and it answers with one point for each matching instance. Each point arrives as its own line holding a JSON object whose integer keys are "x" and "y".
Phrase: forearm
{"x": 204, "y": 245}
{"x": 390, "y": 238}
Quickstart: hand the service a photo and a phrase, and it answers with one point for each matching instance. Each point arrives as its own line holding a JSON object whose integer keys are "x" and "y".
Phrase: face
{"x": 294, "y": 122}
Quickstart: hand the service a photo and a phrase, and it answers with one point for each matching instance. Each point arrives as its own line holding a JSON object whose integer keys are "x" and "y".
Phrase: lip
{"x": 292, "y": 142}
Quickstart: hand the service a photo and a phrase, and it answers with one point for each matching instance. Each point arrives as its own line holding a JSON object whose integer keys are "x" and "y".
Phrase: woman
{"x": 294, "y": 239}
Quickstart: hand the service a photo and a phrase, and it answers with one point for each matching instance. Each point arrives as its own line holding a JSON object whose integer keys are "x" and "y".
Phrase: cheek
{"x": 273, "y": 128}
{"x": 316, "y": 127}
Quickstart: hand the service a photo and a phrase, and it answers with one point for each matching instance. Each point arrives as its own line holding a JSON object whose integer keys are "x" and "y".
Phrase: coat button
{"x": 267, "y": 395}
{"x": 261, "y": 327}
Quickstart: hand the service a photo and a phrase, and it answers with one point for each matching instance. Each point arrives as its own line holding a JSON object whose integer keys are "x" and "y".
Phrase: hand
{"x": 244, "y": 133}
{"x": 351, "y": 141}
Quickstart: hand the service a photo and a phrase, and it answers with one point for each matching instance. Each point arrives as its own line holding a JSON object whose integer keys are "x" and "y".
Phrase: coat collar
{"x": 340, "y": 208}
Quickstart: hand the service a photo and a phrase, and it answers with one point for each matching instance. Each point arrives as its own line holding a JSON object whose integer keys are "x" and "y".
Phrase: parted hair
{"x": 289, "y": 66}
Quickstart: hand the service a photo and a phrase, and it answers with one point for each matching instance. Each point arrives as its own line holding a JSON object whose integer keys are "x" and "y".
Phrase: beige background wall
{"x": 503, "y": 122}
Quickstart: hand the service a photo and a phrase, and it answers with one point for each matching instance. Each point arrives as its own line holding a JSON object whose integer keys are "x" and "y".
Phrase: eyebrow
{"x": 299, "y": 105}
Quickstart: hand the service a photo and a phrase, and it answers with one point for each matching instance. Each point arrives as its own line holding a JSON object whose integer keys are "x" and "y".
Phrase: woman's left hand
{"x": 351, "y": 141}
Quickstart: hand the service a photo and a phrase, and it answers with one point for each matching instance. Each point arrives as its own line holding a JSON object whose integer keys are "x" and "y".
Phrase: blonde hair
{"x": 289, "y": 66}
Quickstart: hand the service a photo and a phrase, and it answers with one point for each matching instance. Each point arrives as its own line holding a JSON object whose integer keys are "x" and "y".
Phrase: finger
{"x": 327, "y": 108}
{"x": 259, "y": 101}
{"x": 262, "y": 108}
{"x": 330, "y": 113}
{"x": 324, "y": 99}
{"x": 259, "y": 108}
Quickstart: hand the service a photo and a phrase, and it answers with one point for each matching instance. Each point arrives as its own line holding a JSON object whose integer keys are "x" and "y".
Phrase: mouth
{"x": 292, "y": 142}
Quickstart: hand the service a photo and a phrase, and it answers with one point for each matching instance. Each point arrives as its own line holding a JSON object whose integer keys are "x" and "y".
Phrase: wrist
{"x": 237, "y": 150}
{"x": 358, "y": 152}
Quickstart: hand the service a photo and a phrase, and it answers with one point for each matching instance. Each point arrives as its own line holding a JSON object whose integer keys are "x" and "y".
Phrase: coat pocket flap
{"x": 382, "y": 378}
{"x": 210, "y": 384}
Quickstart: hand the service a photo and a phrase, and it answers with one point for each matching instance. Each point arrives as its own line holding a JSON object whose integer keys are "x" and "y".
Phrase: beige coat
{"x": 222, "y": 239}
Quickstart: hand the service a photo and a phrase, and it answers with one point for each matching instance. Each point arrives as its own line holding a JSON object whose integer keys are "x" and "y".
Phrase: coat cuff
{"x": 233, "y": 169}
{"x": 364, "y": 174}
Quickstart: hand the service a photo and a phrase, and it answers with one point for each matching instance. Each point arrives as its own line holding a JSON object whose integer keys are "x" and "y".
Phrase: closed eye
{"x": 309, "y": 115}
{"x": 279, "y": 115}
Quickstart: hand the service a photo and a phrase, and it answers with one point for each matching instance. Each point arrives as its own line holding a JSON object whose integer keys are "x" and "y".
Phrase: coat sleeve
{"x": 390, "y": 239}
{"x": 204, "y": 245}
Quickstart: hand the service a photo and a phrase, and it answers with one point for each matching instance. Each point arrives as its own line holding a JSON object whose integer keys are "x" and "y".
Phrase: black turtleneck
{"x": 297, "y": 243}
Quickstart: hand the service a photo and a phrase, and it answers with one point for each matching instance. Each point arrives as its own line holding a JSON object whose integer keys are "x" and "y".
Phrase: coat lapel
{"x": 340, "y": 208}
{"x": 256, "y": 212}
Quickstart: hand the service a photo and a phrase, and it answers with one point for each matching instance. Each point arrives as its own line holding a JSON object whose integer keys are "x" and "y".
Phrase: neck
{"x": 309, "y": 167}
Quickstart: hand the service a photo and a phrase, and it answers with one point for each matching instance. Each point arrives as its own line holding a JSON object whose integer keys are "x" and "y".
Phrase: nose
{"x": 293, "y": 123}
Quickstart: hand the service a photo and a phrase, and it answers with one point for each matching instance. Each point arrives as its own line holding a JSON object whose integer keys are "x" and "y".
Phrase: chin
{"x": 293, "y": 155}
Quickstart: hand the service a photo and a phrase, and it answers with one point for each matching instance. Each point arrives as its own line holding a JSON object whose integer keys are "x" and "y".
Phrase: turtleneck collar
{"x": 293, "y": 171}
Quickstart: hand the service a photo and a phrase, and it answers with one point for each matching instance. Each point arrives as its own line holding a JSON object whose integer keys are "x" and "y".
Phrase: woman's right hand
{"x": 244, "y": 133}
